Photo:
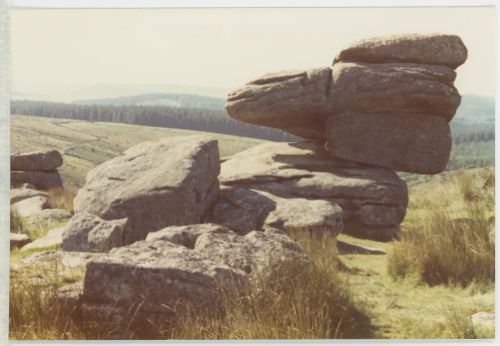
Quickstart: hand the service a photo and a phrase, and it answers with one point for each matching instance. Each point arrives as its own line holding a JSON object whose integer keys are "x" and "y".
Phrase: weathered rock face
{"x": 36, "y": 161}
{"x": 436, "y": 49}
{"x": 39, "y": 179}
{"x": 409, "y": 142}
{"x": 245, "y": 210}
{"x": 89, "y": 233}
{"x": 160, "y": 276}
{"x": 17, "y": 195}
{"x": 154, "y": 184}
{"x": 295, "y": 101}
{"x": 395, "y": 87}
{"x": 375, "y": 197}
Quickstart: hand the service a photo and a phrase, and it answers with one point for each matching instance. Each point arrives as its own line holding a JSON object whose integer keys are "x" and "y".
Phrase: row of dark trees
{"x": 201, "y": 119}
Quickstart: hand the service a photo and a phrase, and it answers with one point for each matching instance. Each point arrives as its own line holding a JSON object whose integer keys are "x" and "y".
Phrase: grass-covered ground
{"x": 427, "y": 285}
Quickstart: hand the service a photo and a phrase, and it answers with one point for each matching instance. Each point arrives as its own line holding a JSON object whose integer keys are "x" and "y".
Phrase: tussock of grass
{"x": 16, "y": 222}
{"x": 453, "y": 241}
{"x": 61, "y": 199}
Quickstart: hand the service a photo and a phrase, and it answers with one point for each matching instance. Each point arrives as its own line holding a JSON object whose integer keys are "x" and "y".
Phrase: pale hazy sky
{"x": 224, "y": 47}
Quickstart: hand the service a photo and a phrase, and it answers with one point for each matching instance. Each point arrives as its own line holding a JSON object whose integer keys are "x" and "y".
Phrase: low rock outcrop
{"x": 157, "y": 276}
{"x": 374, "y": 197}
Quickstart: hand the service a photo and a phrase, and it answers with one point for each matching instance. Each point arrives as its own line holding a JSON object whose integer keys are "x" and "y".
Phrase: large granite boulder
{"x": 396, "y": 87}
{"x": 47, "y": 160}
{"x": 39, "y": 179}
{"x": 375, "y": 197}
{"x": 89, "y": 233}
{"x": 245, "y": 210}
{"x": 295, "y": 101}
{"x": 411, "y": 142}
{"x": 436, "y": 49}
{"x": 172, "y": 181}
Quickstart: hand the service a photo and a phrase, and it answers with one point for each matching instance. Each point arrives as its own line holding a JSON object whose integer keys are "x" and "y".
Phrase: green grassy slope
{"x": 86, "y": 144}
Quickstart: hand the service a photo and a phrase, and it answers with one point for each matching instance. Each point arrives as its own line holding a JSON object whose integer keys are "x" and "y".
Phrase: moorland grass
{"x": 452, "y": 240}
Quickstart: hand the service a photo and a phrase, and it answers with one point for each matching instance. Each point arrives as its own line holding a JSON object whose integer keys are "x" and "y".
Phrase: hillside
{"x": 85, "y": 144}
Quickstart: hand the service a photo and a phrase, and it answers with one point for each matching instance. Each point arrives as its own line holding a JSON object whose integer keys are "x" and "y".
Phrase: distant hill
{"x": 160, "y": 99}
{"x": 475, "y": 109}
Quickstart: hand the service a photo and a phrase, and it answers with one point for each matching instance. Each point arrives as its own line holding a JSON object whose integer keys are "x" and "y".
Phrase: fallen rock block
{"x": 436, "y": 49}
{"x": 36, "y": 161}
{"x": 89, "y": 233}
{"x": 172, "y": 181}
{"x": 414, "y": 143}
{"x": 244, "y": 210}
{"x": 39, "y": 179}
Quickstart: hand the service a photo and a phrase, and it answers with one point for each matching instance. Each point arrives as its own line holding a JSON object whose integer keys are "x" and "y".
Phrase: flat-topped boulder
{"x": 172, "y": 181}
{"x": 294, "y": 101}
{"x": 47, "y": 160}
{"x": 436, "y": 49}
{"x": 244, "y": 210}
{"x": 395, "y": 87}
{"x": 411, "y": 142}
{"x": 376, "y": 197}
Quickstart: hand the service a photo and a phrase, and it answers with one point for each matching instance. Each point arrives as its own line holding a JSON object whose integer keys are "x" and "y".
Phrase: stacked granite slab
{"x": 384, "y": 106}
{"x": 36, "y": 168}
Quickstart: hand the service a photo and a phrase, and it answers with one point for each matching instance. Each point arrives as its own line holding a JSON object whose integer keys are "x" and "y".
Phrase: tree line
{"x": 200, "y": 119}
